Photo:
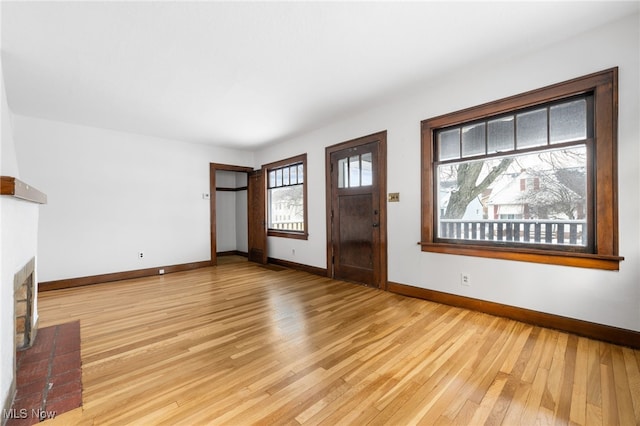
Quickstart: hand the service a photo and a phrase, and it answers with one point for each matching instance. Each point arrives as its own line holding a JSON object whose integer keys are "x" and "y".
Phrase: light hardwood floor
{"x": 243, "y": 344}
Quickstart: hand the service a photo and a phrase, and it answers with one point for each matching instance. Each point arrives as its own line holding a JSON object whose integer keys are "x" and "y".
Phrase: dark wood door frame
{"x": 381, "y": 138}
{"x": 213, "y": 167}
{"x": 256, "y": 215}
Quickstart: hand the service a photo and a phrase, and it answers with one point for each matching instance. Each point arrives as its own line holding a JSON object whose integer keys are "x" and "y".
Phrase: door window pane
{"x": 367, "y": 169}
{"x": 343, "y": 172}
{"x": 354, "y": 171}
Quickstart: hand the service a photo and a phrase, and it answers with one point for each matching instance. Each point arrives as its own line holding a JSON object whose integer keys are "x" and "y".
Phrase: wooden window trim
{"x": 604, "y": 86}
{"x": 299, "y": 235}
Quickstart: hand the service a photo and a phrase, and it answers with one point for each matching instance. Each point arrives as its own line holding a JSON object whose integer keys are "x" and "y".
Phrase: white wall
{"x": 225, "y": 212}
{"x": 611, "y": 298}
{"x": 225, "y": 221}
{"x": 112, "y": 195}
{"x": 6, "y": 291}
{"x": 242, "y": 219}
{"x": 18, "y": 244}
{"x": 231, "y": 212}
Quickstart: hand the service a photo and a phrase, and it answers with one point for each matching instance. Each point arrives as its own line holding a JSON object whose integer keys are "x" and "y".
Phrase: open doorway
{"x": 228, "y": 186}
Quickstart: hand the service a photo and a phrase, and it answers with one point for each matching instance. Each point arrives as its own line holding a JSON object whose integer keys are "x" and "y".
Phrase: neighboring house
{"x": 537, "y": 195}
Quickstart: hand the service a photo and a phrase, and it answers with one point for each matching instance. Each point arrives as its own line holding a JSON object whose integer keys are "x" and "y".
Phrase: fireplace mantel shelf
{"x": 18, "y": 189}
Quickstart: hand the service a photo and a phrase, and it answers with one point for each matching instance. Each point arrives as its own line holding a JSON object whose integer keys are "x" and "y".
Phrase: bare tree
{"x": 559, "y": 193}
{"x": 468, "y": 189}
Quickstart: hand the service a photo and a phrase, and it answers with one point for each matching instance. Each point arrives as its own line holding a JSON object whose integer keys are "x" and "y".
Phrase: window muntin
{"x": 561, "y": 110}
{"x": 286, "y": 198}
{"x": 558, "y": 122}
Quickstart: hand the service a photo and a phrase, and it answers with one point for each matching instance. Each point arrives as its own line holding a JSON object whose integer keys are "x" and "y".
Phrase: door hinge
{"x": 333, "y": 260}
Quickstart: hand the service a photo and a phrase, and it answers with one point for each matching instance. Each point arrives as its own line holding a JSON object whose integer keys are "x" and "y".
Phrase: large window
{"x": 532, "y": 177}
{"x": 286, "y": 197}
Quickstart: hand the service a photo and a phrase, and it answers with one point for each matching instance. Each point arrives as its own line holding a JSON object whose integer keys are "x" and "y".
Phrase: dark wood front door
{"x": 357, "y": 211}
{"x": 257, "y": 217}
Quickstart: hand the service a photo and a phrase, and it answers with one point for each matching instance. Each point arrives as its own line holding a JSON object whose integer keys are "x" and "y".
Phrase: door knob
{"x": 375, "y": 225}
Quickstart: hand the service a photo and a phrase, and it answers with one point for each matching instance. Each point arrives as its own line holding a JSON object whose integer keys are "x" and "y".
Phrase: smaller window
{"x": 287, "y": 198}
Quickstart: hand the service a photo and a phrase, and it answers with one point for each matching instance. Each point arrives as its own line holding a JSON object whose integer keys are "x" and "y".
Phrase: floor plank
{"x": 242, "y": 344}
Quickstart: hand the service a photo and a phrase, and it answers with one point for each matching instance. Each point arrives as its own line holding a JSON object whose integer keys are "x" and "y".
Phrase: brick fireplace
{"x": 24, "y": 300}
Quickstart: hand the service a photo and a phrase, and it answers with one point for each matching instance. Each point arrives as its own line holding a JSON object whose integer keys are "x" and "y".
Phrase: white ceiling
{"x": 243, "y": 74}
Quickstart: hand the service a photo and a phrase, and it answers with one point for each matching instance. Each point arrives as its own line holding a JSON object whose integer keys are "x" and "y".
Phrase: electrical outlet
{"x": 140, "y": 255}
{"x": 161, "y": 272}
{"x": 465, "y": 279}
{"x": 205, "y": 196}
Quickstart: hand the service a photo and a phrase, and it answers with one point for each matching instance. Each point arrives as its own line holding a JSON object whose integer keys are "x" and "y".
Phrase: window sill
{"x": 579, "y": 260}
{"x": 288, "y": 234}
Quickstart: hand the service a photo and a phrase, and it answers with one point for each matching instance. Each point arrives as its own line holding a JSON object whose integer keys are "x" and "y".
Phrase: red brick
{"x": 35, "y": 387}
{"x": 66, "y": 403}
{"x": 70, "y": 376}
{"x": 33, "y": 356}
{"x": 65, "y": 362}
{"x": 33, "y": 401}
{"x": 67, "y": 344}
{"x": 63, "y": 390}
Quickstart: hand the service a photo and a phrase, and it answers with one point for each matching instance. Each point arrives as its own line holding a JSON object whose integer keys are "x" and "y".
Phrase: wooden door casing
{"x": 213, "y": 167}
{"x": 257, "y": 250}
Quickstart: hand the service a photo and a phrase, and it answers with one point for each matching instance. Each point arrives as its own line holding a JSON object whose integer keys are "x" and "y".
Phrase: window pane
{"x": 531, "y": 128}
{"x": 286, "y": 208}
{"x": 285, "y": 176}
{"x": 537, "y": 198}
{"x": 367, "y": 169}
{"x": 568, "y": 122}
{"x": 449, "y": 144}
{"x": 300, "y": 173}
{"x": 343, "y": 170}
{"x": 500, "y": 135}
{"x": 293, "y": 175}
{"x": 354, "y": 171}
{"x": 272, "y": 179}
{"x": 279, "y": 177}
{"x": 473, "y": 140}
